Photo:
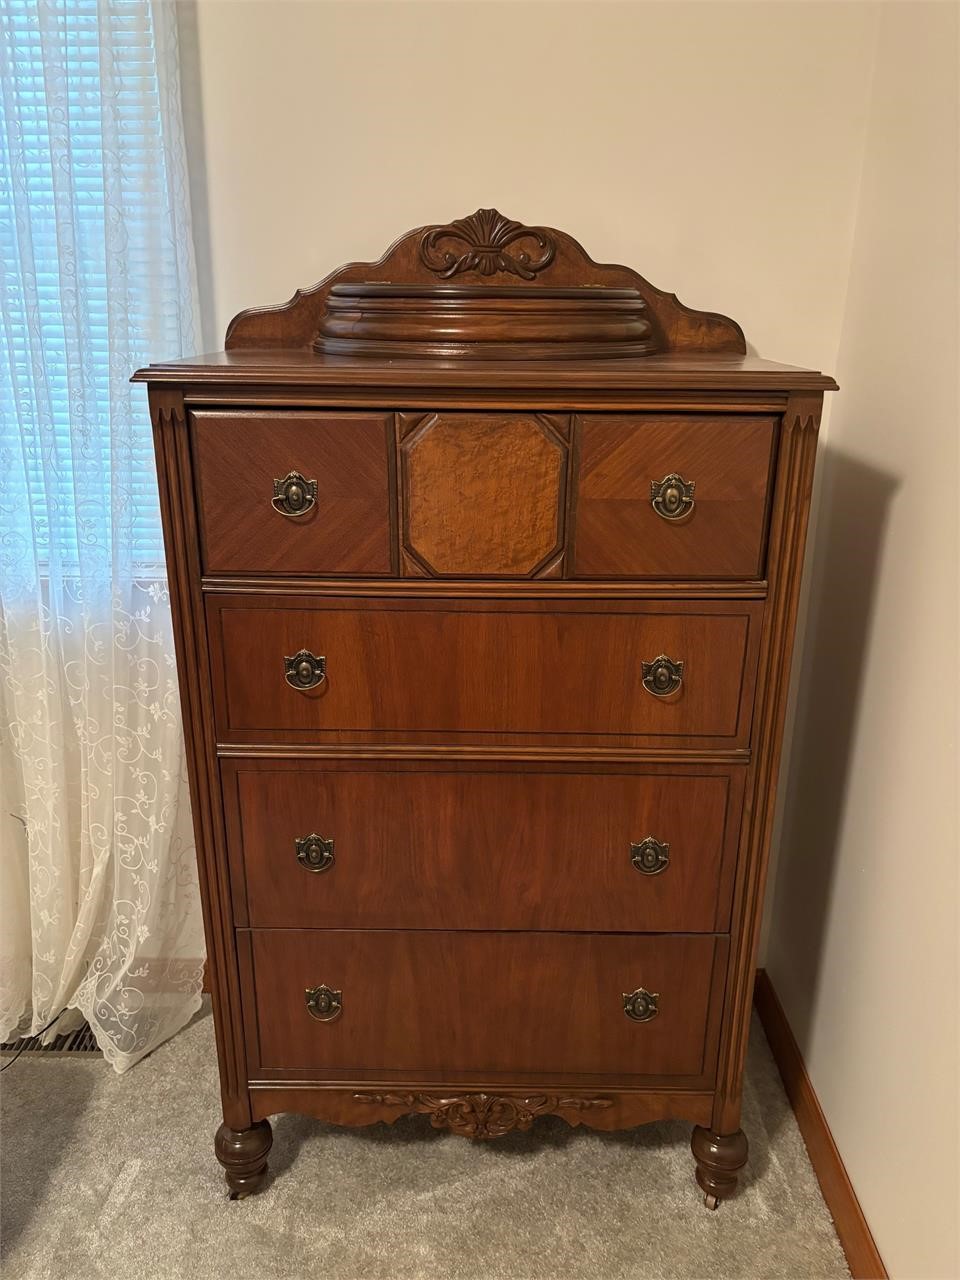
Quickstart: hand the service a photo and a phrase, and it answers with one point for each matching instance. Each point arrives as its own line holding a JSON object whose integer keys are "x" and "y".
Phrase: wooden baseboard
{"x": 856, "y": 1240}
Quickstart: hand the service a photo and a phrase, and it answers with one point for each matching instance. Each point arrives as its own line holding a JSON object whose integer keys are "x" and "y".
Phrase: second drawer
{"x": 667, "y": 674}
{"x": 323, "y": 845}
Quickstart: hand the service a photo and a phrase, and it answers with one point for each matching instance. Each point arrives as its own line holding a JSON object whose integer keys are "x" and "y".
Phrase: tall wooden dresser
{"x": 484, "y": 561}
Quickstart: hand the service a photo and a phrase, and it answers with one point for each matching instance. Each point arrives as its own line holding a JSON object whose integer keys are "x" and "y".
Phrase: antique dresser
{"x": 484, "y": 561}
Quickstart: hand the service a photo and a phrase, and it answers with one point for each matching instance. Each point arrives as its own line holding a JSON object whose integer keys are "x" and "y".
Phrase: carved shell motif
{"x": 488, "y": 243}
{"x": 482, "y": 1115}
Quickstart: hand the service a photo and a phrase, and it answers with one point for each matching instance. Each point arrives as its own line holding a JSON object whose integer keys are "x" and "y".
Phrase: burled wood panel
{"x": 483, "y": 494}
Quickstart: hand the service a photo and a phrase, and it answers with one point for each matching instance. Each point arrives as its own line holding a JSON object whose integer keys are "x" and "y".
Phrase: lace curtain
{"x": 99, "y": 911}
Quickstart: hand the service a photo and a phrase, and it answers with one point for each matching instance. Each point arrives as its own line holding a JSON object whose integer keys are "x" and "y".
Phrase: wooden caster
{"x": 243, "y": 1154}
{"x": 719, "y": 1157}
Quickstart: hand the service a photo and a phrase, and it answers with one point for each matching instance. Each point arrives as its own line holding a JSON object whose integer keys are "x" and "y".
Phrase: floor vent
{"x": 80, "y": 1041}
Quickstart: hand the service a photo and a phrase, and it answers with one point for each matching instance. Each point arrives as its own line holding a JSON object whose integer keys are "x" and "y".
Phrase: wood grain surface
{"x": 238, "y": 457}
{"x": 428, "y": 1001}
{"x": 481, "y": 850}
{"x": 727, "y": 457}
{"x": 572, "y": 671}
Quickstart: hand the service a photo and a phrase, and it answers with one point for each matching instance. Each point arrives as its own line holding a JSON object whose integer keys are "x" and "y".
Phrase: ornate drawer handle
{"x": 323, "y": 1003}
{"x": 305, "y": 670}
{"x": 662, "y": 676}
{"x": 641, "y": 1005}
{"x": 314, "y": 852}
{"x": 672, "y": 497}
{"x": 649, "y": 855}
{"x": 293, "y": 496}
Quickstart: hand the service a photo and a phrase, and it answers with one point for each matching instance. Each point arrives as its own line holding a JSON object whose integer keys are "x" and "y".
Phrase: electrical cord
{"x": 26, "y": 1041}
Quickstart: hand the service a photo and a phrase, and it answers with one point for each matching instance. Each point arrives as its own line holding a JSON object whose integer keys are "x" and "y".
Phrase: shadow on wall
{"x": 852, "y": 518}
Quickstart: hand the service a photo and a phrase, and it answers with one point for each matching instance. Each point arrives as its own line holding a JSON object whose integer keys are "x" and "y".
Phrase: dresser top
{"x": 487, "y": 302}
{"x": 674, "y": 371}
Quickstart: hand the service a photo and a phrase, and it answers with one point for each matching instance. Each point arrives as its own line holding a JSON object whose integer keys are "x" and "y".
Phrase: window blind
{"x": 92, "y": 271}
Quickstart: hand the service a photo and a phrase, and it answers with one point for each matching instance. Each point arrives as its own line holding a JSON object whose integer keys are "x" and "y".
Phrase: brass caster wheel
{"x": 712, "y": 1202}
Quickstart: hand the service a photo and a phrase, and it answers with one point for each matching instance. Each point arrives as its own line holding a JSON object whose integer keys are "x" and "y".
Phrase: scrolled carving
{"x": 483, "y": 1115}
{"x": 491, "y": 244}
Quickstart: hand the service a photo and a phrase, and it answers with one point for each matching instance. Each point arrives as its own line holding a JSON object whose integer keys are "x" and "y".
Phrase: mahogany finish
{"x": 473, "y": 669}
{"x": 481, "y": 850}
{"x": 727, "y": 458}
{"x": 484, "y": 562}
{"x": 239, "y": 455}
{"x": 423, "y": 1002}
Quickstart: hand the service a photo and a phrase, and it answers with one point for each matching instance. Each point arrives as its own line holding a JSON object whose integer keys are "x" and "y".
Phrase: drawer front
{"x": 576, "y": 671}
{"x": 251, "y": 522}
{"x": 429, "y": 1002}
{"x": 468, "y": 849}
{"x": 714, "y": 530}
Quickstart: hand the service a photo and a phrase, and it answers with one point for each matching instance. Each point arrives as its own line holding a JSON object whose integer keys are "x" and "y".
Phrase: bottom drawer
{"x": 435, "y": 1002}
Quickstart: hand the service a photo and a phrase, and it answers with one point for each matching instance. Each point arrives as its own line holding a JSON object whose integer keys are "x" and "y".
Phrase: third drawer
{"x": 316, "y": 844}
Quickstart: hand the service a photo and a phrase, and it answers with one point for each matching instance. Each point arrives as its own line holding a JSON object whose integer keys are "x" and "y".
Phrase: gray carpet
{"x": 107, "y": 1176}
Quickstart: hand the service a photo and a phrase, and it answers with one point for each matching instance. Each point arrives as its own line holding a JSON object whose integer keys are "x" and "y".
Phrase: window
{"x": 96, "y": 274}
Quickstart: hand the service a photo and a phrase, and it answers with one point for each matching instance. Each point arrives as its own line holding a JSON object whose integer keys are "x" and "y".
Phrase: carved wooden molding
{"x": 488, "y": 243}
{"x": 558, "y": 302}
{"x": 483, "y": 1115}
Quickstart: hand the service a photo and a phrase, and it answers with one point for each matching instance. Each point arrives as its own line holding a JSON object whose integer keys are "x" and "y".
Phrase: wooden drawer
{"x": 422, "y": 1003}
{"x": 481, "y": 849}
{"x": 472, "y": 669}
{"x": 239, "y": 455}
{"x": 727, "y": 458}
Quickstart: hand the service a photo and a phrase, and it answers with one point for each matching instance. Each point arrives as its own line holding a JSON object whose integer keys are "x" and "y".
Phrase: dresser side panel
{"x": 788, "y": 532}
{"x": 190, "y": 638}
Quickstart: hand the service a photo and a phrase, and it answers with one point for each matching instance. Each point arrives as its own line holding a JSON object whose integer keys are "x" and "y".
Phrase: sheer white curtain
{"x": 99, "y": 910}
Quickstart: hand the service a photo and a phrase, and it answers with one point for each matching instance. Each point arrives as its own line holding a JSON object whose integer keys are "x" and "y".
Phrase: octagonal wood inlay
{"x": 483, "y": 493}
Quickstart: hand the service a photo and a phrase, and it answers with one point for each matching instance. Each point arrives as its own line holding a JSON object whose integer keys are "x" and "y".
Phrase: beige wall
{"x": 863, "y": 928}
{"x": 720, "y": 149}
{"x": 714, "y": 147}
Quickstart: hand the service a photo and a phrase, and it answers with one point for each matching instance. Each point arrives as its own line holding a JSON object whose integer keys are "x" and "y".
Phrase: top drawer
{"x": 472, "y": 494}
{"x": 293, "y": 492}
{"x": 709, "y": 520}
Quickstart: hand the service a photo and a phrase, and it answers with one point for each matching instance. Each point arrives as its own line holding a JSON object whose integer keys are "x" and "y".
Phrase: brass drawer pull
{"x": 323, "y": 1003}
{"x": 672, "y": 497}
{"x": 641, "y": 1005}
{"x": 662, "y": 676}
{"x": 314, "y": 852}
{"x": 305, "y": 670}
{"x": 649, "y": 855}
{"x": 293, "y": 495}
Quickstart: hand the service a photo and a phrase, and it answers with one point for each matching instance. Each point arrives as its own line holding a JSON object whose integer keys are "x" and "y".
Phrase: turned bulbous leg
{"x": 719, "y": 1157}
{"x": 243, "y": 1154}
